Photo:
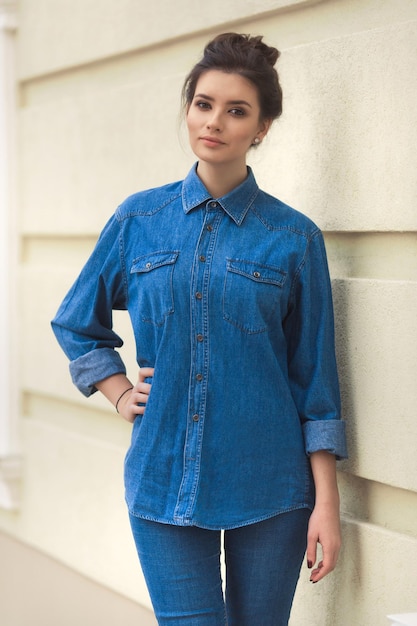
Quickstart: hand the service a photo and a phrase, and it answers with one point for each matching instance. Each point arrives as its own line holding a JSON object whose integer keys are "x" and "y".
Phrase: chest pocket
{"x": 252, "y": 292}
{"x": 154, "y": 285}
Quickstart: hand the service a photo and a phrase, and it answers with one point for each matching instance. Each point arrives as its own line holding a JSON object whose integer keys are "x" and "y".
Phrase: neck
{"x": 220, "y": 179}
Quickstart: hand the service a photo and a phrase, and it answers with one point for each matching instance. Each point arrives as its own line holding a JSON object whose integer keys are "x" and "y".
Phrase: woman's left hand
{"x": 323, "y": 529}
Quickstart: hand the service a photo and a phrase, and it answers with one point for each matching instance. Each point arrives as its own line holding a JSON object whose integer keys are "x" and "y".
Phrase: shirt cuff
{"x": 326, "y": 435}
{"x": 94, "y": 366}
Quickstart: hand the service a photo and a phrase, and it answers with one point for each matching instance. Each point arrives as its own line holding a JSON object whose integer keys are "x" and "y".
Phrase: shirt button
{"x": 202, "y": 258}
{"x": 257, "y": 274}
{"x": 209, "y": 228}
{"x": 199, "y": 377}
{"x": 199, "y": 295}
{"x": 213, "y": 205}
{"x": 148, "y": 265}
{"x": 195, "y": 417}
{"x": 200, "y": 337}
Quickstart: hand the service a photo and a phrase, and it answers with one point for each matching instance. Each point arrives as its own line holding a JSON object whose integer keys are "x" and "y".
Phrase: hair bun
{"x": 270, "y": 53}
{"x": 245, "y": 44}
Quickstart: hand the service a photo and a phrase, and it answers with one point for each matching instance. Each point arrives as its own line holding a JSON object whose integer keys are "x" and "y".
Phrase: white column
{"x": 9, "y": 457}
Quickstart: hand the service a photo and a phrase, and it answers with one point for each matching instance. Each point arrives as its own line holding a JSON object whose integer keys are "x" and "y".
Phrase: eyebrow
{"x": 205, "y": 97}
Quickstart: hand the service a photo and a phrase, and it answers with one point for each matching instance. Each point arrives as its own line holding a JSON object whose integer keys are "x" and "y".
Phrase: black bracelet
{"x": 121, "y": 396}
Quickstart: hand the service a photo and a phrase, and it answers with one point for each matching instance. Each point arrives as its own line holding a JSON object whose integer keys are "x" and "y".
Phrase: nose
{"x": 214, "y": 122}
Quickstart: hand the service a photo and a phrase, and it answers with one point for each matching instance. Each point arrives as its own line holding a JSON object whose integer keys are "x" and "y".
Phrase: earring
{"x": 256, "y": 141}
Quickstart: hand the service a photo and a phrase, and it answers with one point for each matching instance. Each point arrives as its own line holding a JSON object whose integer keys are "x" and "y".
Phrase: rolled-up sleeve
{"x": 326, "y": 435}
{"x": 312, "y": 367}
{"x": 94, "y": 366}
{"x": 83, "y": 324}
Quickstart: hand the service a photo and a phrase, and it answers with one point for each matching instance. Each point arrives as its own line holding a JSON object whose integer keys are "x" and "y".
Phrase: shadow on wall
{"x": 344, "y": 346}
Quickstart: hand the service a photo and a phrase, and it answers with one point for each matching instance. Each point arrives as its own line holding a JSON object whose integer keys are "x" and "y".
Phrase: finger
{"x": 325, "y": 566}
{"x": 138, "y": 409}
{"x": 145, "y": 372}
{"x": 311, "y": 551}
{"x": 140, "y": 397}
{"x": 142, "y": 386}
{"x": 138, "y": 400}
{"x": 320, "y": 572}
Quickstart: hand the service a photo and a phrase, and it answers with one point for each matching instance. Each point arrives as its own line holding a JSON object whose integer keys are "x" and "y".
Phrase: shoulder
{"x": 149, "y": 201}
{"x": 276, "y": 215}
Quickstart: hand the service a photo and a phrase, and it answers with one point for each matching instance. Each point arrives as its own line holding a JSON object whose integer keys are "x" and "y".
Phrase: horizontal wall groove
{"x": 383, "y": 256}
{"x": 154, "y": 28}
{"x": 93, "y": 421}
{"x": 376, "y": 255}
{"x": 387, "y": 506}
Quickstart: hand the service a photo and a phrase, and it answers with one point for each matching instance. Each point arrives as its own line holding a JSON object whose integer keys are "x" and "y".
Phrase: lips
{"x": 209, "y": 140}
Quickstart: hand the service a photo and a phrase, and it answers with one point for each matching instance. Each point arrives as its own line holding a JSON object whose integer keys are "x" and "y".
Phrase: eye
{"x": 237, "y": 112}
{"x": 201, "y": 104}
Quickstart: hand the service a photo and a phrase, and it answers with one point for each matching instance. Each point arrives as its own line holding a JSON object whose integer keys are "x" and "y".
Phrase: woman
{"x": 236, "y": 416}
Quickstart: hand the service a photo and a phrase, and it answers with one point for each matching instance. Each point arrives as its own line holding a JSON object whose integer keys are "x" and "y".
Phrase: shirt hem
{"x": 198, "y": 524}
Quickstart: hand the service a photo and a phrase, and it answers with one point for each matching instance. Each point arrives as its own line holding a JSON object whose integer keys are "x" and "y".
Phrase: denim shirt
{"x": 230, "y": 302}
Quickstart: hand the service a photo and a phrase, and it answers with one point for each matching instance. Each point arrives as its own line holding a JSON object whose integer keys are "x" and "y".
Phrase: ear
{"x": 264, "y": 127}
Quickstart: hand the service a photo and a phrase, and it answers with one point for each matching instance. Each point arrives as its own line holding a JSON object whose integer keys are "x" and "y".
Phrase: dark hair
{"x": 244, "y": 55}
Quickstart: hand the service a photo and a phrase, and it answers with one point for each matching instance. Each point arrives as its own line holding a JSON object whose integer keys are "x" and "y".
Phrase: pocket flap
{"x": 258, "y": 272}
{"x": 151, "y": 261}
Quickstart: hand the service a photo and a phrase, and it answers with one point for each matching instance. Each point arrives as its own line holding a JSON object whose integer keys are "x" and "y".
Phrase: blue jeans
{"x": 181, "y": 565}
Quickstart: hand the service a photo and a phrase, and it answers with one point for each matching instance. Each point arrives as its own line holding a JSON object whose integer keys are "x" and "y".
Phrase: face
{"x": 223, "y": 118}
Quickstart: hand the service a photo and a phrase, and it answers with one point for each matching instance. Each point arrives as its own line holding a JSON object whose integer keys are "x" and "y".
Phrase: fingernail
{"x": 309, "y": 564}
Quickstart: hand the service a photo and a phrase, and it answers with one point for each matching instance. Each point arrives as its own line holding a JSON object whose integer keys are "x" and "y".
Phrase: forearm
{"x": 323, "y": 467}
{"x": 113, "y": 387}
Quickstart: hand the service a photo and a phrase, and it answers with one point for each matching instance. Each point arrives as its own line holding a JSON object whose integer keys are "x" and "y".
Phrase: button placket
{"x": 199, "y": 352}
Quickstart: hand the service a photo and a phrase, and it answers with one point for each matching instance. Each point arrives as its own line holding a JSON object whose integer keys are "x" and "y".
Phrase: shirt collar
{"x": 236, "y": 203}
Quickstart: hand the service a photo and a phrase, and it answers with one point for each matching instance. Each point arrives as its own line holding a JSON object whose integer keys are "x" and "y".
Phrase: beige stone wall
{"x": 98, "y": 94}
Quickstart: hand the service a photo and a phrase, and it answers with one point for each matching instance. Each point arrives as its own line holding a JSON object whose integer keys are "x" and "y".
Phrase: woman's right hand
{"x": 134, "y": 403}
